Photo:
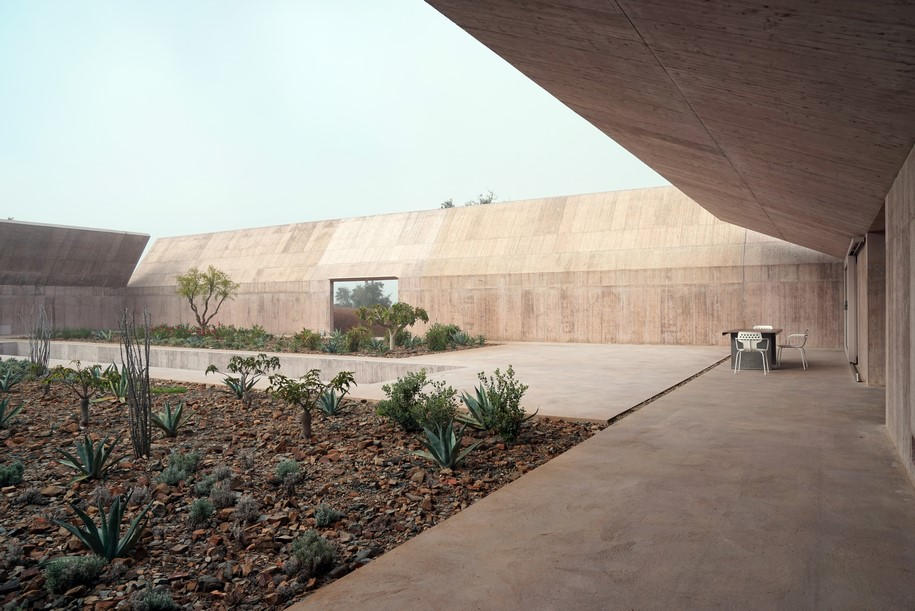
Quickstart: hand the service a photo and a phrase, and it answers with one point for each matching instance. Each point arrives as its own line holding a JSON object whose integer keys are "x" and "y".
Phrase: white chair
{"x": 796, "y": 341}
{"x": 750, "y": 341}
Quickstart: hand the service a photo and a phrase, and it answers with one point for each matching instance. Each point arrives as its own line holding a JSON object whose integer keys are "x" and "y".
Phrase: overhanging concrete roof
{"x": 54, "y": 255}
{"x": 791, "y": 119}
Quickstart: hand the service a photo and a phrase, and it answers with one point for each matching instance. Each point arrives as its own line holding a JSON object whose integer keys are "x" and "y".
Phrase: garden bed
{"x": 357, "y": 464}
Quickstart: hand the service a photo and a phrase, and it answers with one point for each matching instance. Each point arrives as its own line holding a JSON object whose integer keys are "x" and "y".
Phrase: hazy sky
{"x": 183, "y": 117}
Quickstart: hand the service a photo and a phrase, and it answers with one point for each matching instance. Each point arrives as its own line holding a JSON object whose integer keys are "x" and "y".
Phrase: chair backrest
{"x": 749, "y": 339}
{"x": 764, "y": 327}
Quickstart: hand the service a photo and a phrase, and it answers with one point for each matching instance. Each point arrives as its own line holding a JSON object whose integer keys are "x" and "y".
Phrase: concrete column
{"x": 871, "y": 271}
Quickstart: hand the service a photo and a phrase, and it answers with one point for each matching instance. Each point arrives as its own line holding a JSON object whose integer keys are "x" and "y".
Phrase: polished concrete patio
{"x": 730, "y": 492}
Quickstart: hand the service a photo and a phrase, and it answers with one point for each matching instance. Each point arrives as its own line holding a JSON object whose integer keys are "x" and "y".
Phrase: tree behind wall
{"x": 206, "y": 290}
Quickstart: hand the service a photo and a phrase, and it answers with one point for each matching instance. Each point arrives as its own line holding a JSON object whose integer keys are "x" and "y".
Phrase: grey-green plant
{"x": 334, "y": 343}
{"x": 153, "y": 600}
{"x": 444, "y": 446}
{"x": 249, "y": 370}
{"x": 84, "y": 382}
{"x": 117, "y": 384}
{"x": 325, "y": 515}
{"x": 309, "y": 339}
{"x": 200, "y": 512}
{"x": 286, "y": 468}
{"x": 314, "y": 554}
{"x": 180, "y": 467}
{"x": 221, "y": 495}
{"x": 11, "y": 474}
{"x": 40, "y": 341}
{"x": 305, "y": 391}
{"x": 170, "y": 420}
{"x": 204, "y": 485}
{"x": 500, "y": 411}
{"x": 331, "y": 402}
{"x": 7, "y": 413}
{"x": 61, "y": 574}
{"x": 104, "y": 539}
{"x": 92, "y": 460}
{"x": 247, "y": 509}
{"x": 9, "y": 378}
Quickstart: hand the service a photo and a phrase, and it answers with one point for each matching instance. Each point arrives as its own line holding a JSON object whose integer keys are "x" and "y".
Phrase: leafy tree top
{"x": 205, "y": 290}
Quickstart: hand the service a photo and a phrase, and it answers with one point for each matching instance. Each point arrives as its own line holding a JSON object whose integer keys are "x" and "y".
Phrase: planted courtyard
{"x": 240, "y": 498}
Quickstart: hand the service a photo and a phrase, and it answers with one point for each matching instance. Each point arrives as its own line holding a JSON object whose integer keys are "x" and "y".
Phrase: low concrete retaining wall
{"x": 366, "y": 370}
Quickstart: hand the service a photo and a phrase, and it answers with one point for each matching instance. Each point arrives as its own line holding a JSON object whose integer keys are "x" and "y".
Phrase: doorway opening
{"x": 348, "y": 295}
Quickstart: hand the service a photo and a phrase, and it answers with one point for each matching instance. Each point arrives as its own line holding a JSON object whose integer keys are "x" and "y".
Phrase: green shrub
{"x": 200, "y": 512}
{"x": 287, "y": 467}
{"x": 438, "y": 336}
{"x": 334, "y": 343}
{"x": 436, "y": 407}
{"x": 153, "y": 600}
{"x": 313, "y": 553}
{"x": 403, "y": 394}
{"x": 204, "y": 486}
{"x": 325, "y": 515}
{"x": 497, "y": 405}
{"x": 221, "y": 495}
{"x": 357, "y": 338}
{"x": 168, "y": 390}
{"x": 309, "y": 339}
{"x": 247, "y": 509}
{"x": 11, "y": 474}
{"x": 61, "y": 574}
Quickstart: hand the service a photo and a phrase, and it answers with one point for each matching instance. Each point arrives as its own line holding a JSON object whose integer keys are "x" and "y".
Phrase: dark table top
{"x": 772, "y": 331}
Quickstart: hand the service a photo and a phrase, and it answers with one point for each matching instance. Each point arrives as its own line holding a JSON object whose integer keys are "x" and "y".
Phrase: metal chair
{"x": 797, "y": 341}
{"x": 750, "y": 341}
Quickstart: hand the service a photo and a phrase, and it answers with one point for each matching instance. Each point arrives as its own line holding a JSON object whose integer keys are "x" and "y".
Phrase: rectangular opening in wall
{"x": 348, "y": 295}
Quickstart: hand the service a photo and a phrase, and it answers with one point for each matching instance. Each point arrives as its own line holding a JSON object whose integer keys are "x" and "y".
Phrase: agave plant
{"x": 105, "y": 541}
{"x": 170, "y": 420}
{"x": 8, "y": 379}
{"x": 330, "y": 402}
{"x": 482, "y": 410}
{"x": 117, "y": 383}
{"x": 91, "y": 461}
{"x": 7, "y": 413}
{"x": 443, "y": 446}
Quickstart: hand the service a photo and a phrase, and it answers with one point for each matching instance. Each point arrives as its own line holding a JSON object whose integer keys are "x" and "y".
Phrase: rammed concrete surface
{"x": 741, "y": 492}
{"x": 791, "y": 119}
{"x": 645, "y": 266}
{"x": 871, "y": 323}
{"x": 900, "y": 313}
{"x": 590, "y": 381}
{"x": 79, "y": 274}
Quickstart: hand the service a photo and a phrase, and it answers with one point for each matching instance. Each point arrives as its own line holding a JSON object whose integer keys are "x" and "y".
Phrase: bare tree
{"x": 135, "y": 366}
{"x": 40, "y": 341}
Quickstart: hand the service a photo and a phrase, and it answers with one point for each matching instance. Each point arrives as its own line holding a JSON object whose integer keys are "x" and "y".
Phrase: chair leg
{"x": 737, "y": 363}
{"x": 765, "y": 360}
{"x": 778, "y": 356}
{"x": 804, "y": 358}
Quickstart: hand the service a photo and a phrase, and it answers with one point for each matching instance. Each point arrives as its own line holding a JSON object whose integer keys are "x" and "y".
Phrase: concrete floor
{"x": 730, "y": 492}
{"x": 590, "y": 381}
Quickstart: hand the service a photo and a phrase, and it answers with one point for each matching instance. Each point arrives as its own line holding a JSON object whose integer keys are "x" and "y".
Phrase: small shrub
{"x": 61, "y": 574}
{"x": 286, "y": 468}
{"x": 180, "y": 466}
{"x": 357, "y": 338}
{"x": 101, "y": 496}
{"x": 436, "y": 407}
{"x": 222, "y": 472}
{"x": 11, "y": 474}
{"x": 309, "y": 339}
{"x": 378, "y": 346}
{"x": 325, "y": 515}
{"x": 153, "y": 600}
{"x": 334, "y": 343}
{"x": 439, "y": 336}
{"x": 505, "y": 393}
{"x": 168, "y": 390}
{"x": 32, "y": 496}
{"x": 247, "y": 509}
{"x": 222, "y": 496}
{"x": 200, "y": 512}
{"x": 403, "y": 394}
{"x": 313, "y": 554}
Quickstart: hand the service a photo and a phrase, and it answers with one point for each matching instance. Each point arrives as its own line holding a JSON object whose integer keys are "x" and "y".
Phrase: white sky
{"x": 171, "y": 118}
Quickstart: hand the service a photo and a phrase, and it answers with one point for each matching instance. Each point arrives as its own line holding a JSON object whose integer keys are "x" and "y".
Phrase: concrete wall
{"x": 640, "y": 266}
{"x": 871, "y": 281}
{"x": 80, "y": 275}
{"x": 900, "y": 318}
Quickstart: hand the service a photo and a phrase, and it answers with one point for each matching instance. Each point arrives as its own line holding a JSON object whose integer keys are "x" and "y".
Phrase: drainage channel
{"x": 666, "y": 391}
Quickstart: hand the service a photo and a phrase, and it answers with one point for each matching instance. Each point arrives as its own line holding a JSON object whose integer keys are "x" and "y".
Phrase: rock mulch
{"x": 357, "y": 464}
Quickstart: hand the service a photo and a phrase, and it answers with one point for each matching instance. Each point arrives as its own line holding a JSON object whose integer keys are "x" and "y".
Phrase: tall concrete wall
{"x": 80, "y": 275}
{"x": 640, "y": 266}
{"x": 871, "y": 310}
{"x": 900, "y": 318}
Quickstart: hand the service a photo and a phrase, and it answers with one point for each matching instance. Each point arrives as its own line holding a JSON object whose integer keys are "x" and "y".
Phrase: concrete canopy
{"x": 790, "y": 119}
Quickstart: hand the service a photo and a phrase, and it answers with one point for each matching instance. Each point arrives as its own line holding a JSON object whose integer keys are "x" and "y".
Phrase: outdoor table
{"x": 753, "y": 360}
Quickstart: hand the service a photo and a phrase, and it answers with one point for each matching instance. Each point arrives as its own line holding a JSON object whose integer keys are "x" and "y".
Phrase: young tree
{"x": 305, "y": 392}
{"x": 213, "y": 287}
{"x": 250, "y": 369}
{"x": 394, "y": 319}
{"x": 84, "y": 382}
{"x": 343, "y": 297}
{"x": 369, "y": 293}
